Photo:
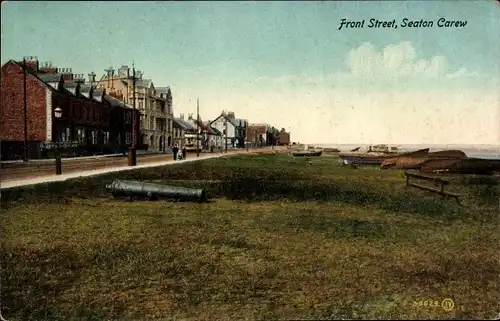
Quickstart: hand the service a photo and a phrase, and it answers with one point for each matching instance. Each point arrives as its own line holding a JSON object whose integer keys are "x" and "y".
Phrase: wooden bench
{"x": 434, "y": 179}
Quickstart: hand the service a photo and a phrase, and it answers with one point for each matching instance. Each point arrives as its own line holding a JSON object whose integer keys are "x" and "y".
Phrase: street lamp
{"x": 58, "y": 115}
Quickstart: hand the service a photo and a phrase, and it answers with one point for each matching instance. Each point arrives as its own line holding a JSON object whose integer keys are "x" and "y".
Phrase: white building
{"x": 230, "y": 127}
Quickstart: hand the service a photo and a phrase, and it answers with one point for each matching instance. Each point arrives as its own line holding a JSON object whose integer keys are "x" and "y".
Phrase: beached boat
{"x": 362, "y": 159}
{"x": 439, "y": 159}
{"x": 307, "y": 153}
{"x": 478, "y": 166}
{"x": 377, "y": 159}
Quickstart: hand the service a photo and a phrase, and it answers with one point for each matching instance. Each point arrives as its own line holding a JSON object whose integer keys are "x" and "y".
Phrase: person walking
{"x": 175, "y": 150}
{"x": 184, "y": 151}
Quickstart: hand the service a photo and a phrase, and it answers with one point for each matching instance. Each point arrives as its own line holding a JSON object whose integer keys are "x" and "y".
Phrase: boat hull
{"x": 307, "y": 153}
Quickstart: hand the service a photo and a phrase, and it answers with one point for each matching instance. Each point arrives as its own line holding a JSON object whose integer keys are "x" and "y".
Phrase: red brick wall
{"x": 12, "y": 108}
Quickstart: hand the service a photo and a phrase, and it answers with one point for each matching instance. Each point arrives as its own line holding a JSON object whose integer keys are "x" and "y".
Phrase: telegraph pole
{"x": 134, "y": 116}
{"x": 225, "y": 138}
{"x": 25, "y": 149}
{"x": 198, "y": 127}
{"x": 132, "y": 161}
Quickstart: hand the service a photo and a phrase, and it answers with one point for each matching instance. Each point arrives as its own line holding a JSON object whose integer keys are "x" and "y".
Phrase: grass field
{"x": 282, "y": 239}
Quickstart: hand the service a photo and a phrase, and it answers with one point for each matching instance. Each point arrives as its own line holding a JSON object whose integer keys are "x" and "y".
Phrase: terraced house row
{"x": 79, "y": 116}
{"x": 46, "y": 109}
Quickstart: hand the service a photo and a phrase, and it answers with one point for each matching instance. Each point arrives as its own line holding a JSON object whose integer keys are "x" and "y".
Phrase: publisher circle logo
{"x": 447, "y": 304}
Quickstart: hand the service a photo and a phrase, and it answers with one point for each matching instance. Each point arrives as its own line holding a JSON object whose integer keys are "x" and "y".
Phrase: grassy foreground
{"x": 283, "y": 239}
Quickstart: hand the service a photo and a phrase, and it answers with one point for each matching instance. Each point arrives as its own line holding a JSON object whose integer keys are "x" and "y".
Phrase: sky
{"x": 288, "y": 64}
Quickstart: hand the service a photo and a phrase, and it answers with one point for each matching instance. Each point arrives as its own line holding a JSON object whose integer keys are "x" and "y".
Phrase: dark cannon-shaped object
{"x": 149, "y": 191}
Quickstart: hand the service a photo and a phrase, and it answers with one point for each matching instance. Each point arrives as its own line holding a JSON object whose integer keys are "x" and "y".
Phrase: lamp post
{"x": 132, "y": 160}
{"x": 57, "y": 116}
{"x": 198, "y": 127}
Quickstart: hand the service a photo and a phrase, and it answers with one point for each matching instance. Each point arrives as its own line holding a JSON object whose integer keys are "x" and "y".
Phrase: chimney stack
{"x": 92, "y": 77}
{"x": 124, "y": 71}
{"x": 32, "y": 62}
{"x": 66, "y": 72}
{"x": 47, "y": 68}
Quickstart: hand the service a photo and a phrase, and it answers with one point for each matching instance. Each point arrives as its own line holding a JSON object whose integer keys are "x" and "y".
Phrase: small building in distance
{"x": 283, "y": 138}
{"x": 235, "y": 127}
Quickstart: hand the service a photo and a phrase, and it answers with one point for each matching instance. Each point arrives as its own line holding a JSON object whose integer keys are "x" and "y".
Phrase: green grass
{"x": 283, "y": 239}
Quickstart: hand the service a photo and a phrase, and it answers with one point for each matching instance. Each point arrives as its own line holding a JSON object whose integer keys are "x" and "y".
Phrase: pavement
{"x": 87, "y": 173}
{"x": 66, "y": 159}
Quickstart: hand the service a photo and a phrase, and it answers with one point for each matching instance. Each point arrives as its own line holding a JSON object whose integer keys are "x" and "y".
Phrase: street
{"x": 45, "y": 172}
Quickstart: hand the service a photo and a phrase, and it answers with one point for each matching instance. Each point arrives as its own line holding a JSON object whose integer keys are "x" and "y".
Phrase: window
{"x": 141, "y": 104}
{"x": 66, "y": 134}
{"x": 128, "y": 117}
{"x": 106, "y": 137}
{"x": 142, "y": 122}
{"x": 81, "y": 135}
{"x": 128, "y": 138}
{"x": 94, "y": 137}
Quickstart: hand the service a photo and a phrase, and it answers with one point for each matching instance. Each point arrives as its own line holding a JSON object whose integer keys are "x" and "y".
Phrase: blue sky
{"x": 260, "y": 59}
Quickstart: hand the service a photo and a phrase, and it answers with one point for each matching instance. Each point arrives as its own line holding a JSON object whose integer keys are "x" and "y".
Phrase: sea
{"x": 475, "y": 151}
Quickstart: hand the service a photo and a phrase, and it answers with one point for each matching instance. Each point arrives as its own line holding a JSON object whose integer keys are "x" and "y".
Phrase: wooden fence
{"x": 440, "y": 182}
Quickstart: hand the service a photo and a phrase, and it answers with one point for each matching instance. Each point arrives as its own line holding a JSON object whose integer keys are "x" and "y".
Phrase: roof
{"x": 216, "y": 131}
{"x": 184, "y": 124}
{"x": 162, "y": 90}
{"x": 115, "y": 102}
{"x": 85, "y": 88}
{"x": 70, "y": 84}
{"x": 210, "y": 129}
{"x": 97, "y": 95}
{"x": 143, "y": 83}
{"x": 232, "y": 121}
{"x": 46, "y": 78}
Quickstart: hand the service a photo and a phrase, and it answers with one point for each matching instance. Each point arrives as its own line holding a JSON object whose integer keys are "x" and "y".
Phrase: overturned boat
{"x": 478, "y": 166}
{"x": 378, "y": 160}
{"x": 140, "y": 190}
{"x": 419, "y": 159}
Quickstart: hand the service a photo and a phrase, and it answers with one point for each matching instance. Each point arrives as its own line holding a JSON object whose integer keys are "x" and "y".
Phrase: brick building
{"x": 257, "y": 134}
{"x": 91, "y": 122}
{"x": 283, "y": 138}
